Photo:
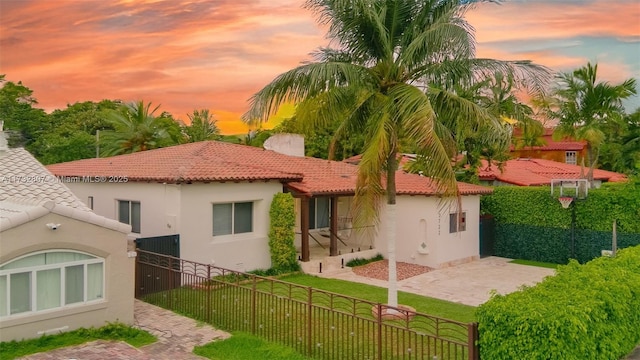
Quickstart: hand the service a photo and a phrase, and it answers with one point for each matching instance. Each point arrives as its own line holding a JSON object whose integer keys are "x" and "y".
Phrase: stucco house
{"x": 62, "y": 267}
{"x": 217, "y": 196}
{"x": 568, "y": 151}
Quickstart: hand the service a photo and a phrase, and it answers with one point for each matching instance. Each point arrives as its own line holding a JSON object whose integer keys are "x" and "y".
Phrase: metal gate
{"x": 165, "y": 245}
{"x": 156, "y": 256}
{"x": 487, "y": 236}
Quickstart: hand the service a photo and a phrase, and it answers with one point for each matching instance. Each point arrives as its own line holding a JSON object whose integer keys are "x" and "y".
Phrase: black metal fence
{"x": 318, "y": 324}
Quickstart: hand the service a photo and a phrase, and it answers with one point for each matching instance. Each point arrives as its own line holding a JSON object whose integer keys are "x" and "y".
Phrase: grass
{"x": 535, "y": 263}
{"x": 113, "y": 331}
{"x": 423, "y": 304}
{"x": 242, "y": 346}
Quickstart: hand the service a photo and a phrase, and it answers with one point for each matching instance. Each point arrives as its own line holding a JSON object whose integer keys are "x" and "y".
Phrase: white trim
{"x": 33, "y": 279}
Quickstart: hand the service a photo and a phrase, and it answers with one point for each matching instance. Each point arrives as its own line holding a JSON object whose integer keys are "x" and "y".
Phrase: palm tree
{"x": 135, "y": 129}
{"x": 202, "y": 126}
{"x": 377, "y": 83}
{"x": 585, "y": 107}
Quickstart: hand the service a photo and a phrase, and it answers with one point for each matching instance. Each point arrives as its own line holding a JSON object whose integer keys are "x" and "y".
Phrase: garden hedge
{"x": 589, "y": 311}
{"x": 531, "y": 224}
{"x": 282, "y": 233}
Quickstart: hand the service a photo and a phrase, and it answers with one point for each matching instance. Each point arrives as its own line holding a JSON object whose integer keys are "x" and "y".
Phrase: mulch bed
{"x": 380, "y": 270}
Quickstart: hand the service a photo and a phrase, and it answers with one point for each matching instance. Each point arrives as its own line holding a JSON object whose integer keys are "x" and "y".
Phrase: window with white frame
{"x": 232, "y": 218}
{"x": 129, "y": 213}
{"x": 319, "y": 213}
{"x": 457, "y": 222}
{"x": 571, "y": 157}
{"x": 50, "y": 280}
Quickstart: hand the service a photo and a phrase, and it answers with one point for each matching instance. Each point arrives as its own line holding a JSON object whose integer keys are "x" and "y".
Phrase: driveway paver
{"x": 177, "y": 336}
{"x": 470, "y": 283}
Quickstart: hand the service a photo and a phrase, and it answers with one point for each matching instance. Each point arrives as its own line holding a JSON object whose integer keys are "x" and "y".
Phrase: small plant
{"x": 361, "y": 261}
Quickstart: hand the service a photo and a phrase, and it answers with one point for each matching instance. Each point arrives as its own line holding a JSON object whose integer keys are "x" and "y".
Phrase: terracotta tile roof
{"x": 218, "y": 161}
{"x": 551, "y": 145}
{"x": 532, "y": 172}
{"x": 22, "y": 176}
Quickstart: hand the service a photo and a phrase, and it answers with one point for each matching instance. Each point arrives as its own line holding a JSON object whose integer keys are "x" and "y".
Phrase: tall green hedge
{"x": 589, "y": 311}
{"x": 531, "y": 224}
{"x": 282, "y": 233}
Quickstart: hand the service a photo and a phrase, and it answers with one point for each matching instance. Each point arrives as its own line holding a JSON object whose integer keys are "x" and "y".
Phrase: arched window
{"x": 48, "y": 280}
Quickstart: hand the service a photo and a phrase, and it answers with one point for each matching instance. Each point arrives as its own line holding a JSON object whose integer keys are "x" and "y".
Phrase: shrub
{"x": 362, "y": 261}
{"x": 281, "y": 233}
{"x": 589, "y": 311}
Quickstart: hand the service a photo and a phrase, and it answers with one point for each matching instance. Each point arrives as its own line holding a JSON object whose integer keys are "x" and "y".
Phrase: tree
{"x": 137, "y": 129}
{"x": 202, "y": 127}
{"x": 621, "y": 149}
{"x": 377, "y": 83}
{"x": 585, "y": 107}
{"x": 22, "y": 121}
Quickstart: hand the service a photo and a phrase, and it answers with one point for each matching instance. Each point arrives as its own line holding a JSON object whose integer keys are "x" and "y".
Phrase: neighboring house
{"x": 566, "y": 150}
{"x": 535, "y": 172}
{"x": 217, "y": 196}
{"x": 62, "y": 267}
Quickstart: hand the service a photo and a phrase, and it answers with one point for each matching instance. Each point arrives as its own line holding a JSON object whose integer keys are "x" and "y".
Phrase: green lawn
{"x": 135, "y": 337}
{"x": 242, "y": 346}
{"x": 535, "y": 263}
{"x": 427, "y": 305}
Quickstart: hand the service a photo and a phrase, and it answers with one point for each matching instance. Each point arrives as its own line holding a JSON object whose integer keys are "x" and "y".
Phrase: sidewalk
{"x": 468, "y": 284}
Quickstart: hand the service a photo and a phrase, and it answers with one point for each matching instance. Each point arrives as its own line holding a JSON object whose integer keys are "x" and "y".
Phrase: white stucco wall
{"x": 424, "y": 220}
{"x": 241, "y": 252}
{"x": 159, "y": 203}
{"x": 111, "y": 245}
{"x": 187, "y": 209}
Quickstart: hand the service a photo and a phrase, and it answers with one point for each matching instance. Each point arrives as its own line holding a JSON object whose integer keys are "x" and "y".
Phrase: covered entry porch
{"x": 324, "y": 227}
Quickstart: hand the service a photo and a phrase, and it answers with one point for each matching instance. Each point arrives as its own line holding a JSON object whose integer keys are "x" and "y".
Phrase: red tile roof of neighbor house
{"x": 532, "y": 172}
{"x": 565, "y": 144}
{"x": 213, "y": 161}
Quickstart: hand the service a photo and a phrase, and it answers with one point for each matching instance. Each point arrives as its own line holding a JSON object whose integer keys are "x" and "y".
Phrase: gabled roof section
{"x": 24, "y": 176}
{"x": 15, "y": 211}
{"x": 206, "y": 161}
{"x": 210, "y": 161}
{"x": 534, "y": 172}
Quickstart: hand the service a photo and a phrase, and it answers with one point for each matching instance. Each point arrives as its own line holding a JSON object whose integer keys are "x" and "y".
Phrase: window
{"x": 318, "y": 213}
{"x": 90, "y": 202}
{"x": 571, "y": 157}
{"x": 232, "y": 218}
{"x": 457, "y": 223}
{"x": 129, "y": 213}
{"x": 50, "y": 280}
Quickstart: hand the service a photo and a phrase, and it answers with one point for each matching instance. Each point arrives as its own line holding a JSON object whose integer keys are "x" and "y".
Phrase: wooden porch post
{"x": 333, "y": 227}
{"x": 304, "y": 227}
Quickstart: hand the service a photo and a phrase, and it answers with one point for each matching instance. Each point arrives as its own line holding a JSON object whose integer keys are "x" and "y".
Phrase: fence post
{"x": 253, "y": 306}
{"x": 379, "y": 337}
{"x": 209, "y": 288}
{"x": 171, "y": 283}
{"x": 474, "y": 349}
{"x": 309, "y": 321}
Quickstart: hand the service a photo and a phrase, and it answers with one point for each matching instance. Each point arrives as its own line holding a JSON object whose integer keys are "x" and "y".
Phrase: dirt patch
{"x": 380, "y": 270}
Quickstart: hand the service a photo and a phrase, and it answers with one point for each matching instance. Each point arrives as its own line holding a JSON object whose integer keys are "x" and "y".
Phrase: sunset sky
{"x": 214, "y": 54}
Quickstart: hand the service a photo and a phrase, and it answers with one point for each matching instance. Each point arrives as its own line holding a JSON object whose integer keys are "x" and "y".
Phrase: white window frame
{"x": 457, "y": 223}
{"x": 130, "y": 221}
{"x": 313, "y": 203}
{"x": 233, "y": 216}
{"x": 571, "y": 157}
{"x": 33, "y": 283}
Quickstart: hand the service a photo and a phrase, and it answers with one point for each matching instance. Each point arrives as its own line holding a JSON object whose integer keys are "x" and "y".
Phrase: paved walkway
{"x": 177, "y": 336}
{"x": 469, "y": 283}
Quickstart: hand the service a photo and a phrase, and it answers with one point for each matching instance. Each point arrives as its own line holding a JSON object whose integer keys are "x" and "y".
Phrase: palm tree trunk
{"x": 392, "y": 286}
